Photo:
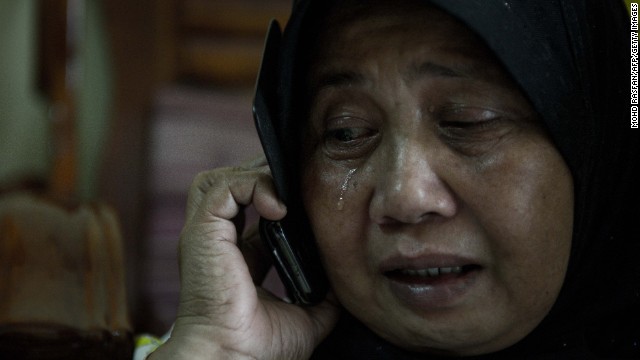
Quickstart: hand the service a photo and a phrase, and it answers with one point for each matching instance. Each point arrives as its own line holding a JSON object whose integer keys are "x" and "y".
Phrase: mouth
{"x": 433, "y": 282}
{"x": 430, "y": 275}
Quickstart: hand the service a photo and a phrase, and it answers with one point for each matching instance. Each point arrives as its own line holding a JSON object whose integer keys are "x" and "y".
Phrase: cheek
{"x": 530, "y": 221}
{"x": 325, "y": 191}
{"x": 335, "y": 202}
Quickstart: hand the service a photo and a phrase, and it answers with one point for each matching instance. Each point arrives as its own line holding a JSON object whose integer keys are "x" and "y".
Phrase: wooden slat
{"x": 232, "y": 17}
{"x": 55, "y": 54}
{"x": 225, "y": 61}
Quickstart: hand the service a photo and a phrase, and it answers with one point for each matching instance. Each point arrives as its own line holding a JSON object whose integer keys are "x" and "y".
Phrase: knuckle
{"x": 204, "y": 180}
{"x": 207, "y": 176}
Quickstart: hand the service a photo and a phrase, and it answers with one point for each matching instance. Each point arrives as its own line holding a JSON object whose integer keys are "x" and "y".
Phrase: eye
{"x": 471, "y": 130}
{"x": 469, "y": 125}
{"x": 348, "y": 138}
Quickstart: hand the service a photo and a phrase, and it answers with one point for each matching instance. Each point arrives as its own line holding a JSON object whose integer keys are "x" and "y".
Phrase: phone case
{"x": 290, "y": 240}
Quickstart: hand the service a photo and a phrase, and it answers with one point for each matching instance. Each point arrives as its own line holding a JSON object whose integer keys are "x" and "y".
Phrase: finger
{"x": 219, "y": 193}
{"x": 325, "y": 316}
{"x": 203, "y": 184}
{"x": 256, "y": 254}
{"x": 306, "y": 326}
{"x": 256, "y": 162}
{"x": 239, "y": 221}
{"x": 212, "y": 270}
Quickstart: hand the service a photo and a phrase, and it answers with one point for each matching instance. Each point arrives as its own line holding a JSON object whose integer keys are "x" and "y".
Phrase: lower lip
{"x": 436, "y": 293}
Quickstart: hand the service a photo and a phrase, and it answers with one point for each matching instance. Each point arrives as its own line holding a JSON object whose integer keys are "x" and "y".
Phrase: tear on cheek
{"x": 343, "y": 189}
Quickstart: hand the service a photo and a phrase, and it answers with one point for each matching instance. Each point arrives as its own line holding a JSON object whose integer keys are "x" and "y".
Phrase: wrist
{"x": 194, "y": 347}
{"x": 185, "y": 349}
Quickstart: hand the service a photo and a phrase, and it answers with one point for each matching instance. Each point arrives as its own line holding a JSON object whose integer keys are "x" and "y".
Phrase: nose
{"x": 409, "y": 190}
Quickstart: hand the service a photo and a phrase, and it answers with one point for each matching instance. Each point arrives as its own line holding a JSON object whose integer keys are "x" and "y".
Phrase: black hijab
{"x": 572, "y": 59}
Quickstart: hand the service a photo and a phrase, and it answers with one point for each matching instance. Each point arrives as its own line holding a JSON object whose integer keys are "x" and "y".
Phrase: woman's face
{"x": 442, "y": 211}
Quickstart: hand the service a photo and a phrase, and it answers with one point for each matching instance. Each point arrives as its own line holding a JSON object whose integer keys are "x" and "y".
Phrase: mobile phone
{"x": 290, "y": 240}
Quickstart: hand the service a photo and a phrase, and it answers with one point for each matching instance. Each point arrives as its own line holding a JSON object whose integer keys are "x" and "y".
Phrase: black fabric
{"x": 351, "y": 341}
{"x": 572, "y": 59}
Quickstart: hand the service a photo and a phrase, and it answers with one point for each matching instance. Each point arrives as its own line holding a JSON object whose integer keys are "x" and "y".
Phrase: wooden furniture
{"x": 62, "y": 292}
{"x": 221, "y": 41}
{"x": 62, "y": 275}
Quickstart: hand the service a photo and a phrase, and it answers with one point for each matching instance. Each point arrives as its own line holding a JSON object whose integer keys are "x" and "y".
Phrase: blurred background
{"x": 124, "y": 102}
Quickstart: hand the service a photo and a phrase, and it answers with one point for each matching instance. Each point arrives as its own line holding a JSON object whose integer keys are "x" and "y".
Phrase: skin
{"x": 450, "y": 162}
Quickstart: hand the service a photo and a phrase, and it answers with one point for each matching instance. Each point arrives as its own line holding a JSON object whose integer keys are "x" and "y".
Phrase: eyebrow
{"x": 338, "y": 79}
{"x": 352, "y": 78}
{"x": 429, "y": 68}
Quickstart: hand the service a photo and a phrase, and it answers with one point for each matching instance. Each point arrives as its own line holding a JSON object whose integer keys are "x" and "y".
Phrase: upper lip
{"x": 426, "y": 261}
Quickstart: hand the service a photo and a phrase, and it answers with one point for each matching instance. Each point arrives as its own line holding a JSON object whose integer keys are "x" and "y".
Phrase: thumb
{"x": 324, "y": 316}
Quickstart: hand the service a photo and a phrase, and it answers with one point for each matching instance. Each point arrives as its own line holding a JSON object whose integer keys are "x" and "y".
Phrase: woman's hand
{"x": 222, "y": 313}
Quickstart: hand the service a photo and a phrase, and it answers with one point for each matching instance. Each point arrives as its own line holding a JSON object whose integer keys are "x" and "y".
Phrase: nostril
{"x": 425, "y": 200}
{"x": 386, "y": 220}
{"x": 406, "y": 220}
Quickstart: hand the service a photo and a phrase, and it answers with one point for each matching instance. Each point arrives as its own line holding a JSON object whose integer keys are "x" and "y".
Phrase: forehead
{"x": 413, "y": 32}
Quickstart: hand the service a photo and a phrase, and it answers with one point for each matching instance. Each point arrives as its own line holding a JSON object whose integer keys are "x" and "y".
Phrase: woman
{"x": 456, "y": 166}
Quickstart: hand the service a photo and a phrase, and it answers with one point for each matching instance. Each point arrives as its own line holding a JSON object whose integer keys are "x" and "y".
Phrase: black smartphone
{"x": 290, "y": 240}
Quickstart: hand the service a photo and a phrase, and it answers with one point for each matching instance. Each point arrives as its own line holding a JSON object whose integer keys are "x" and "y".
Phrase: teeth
{"x": 446, "y": 270}
{"x": 433, "y": 271}
{"x": 421, "y": 272}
